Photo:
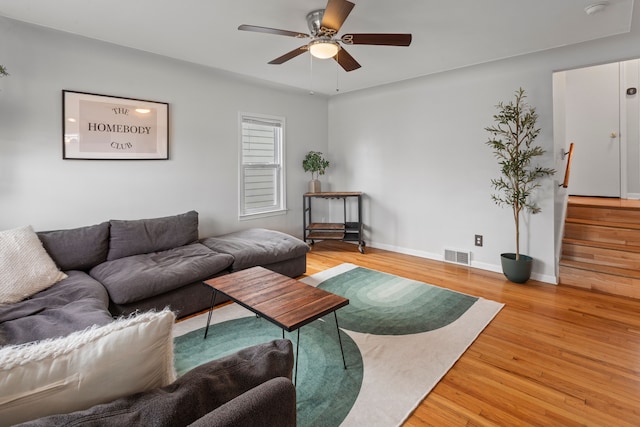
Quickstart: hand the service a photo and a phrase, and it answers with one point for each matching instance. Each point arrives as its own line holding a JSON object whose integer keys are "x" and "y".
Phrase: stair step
{"x": 602, "y": 234}
{"x": 623, "y": 214}
{"x": 610, "y": 283}
{"x": 602, "y": 245}
{"x": 600, "y": 223}
{"x": 609, "y": 254}
{"x": 607, "y": 202}
{"x": 589, "y": 267}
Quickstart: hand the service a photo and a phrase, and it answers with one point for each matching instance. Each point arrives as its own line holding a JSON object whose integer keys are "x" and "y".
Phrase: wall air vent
{"x": 457, "y": 257}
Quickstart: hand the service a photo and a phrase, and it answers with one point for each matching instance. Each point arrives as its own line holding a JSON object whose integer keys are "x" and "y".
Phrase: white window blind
{"x": 261, "y": 165}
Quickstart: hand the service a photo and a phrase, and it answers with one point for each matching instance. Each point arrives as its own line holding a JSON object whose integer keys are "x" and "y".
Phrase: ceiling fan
{"x": 324, "y": 25}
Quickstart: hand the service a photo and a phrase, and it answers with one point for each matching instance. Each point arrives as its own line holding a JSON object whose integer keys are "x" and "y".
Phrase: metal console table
{"x": 346, "y": 231}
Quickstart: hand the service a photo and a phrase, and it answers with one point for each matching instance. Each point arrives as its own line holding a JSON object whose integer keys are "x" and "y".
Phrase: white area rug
{"x": 398, "y": 370}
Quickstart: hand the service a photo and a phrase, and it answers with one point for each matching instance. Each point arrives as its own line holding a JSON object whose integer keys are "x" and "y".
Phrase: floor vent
{"x": 457, "y": 257}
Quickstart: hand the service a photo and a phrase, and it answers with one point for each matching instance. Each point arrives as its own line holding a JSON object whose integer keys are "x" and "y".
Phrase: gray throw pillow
{"x": 78, "y": 248}
{"x": 143, "y": 236}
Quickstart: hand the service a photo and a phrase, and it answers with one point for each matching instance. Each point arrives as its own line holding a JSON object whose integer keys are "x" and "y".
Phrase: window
{"x": 261, "y": 165}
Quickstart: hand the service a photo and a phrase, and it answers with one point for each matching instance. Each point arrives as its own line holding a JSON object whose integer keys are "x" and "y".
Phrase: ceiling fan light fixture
{"x": 323, "y": 49}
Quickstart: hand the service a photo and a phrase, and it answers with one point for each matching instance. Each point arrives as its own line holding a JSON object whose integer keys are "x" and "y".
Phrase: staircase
{"x": 601, "y": 246}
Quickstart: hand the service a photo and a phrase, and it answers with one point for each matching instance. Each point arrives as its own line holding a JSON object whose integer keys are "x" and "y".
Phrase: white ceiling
{"x": 446, "y": 34}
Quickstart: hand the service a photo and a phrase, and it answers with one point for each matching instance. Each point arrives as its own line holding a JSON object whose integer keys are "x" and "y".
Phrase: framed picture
{"x": 106, "y": 127}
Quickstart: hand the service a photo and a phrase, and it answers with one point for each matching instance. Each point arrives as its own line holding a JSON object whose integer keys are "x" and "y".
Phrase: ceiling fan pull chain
{"x": 337, "y": 74}
{"x": 311, "y": 92}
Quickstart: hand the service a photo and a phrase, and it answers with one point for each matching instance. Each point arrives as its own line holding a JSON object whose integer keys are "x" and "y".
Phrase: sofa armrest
{"x": 272, "y": 403}
{"x": 192, "y": 396}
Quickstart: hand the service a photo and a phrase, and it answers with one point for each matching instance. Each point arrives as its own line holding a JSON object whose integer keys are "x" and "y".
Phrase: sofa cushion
{"x": 152, "y": 235}
{"x": 184, "y": 301}
{"x": 70, "y": 305}
{"x": 77, "y": 248}
{"x": 274, "y": 401}
{"x": 257, "y": 246}
{"x": 137, "y": 277}
{"x": 216, "y": 384}
{"x": 25, "y": 266}
{"x": 86, "y": 368}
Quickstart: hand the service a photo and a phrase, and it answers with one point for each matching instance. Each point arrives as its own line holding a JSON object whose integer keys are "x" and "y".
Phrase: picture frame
{"x": 102, "y": 127}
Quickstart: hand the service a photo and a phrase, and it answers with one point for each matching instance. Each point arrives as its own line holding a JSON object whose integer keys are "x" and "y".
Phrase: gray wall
{"x": 417, "y": 150}
{"x": 37, "y": 187}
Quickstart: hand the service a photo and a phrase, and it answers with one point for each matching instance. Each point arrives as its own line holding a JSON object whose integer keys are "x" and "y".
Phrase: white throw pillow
{"x": 97, "y": 365}
{"x": 25, "y": 266}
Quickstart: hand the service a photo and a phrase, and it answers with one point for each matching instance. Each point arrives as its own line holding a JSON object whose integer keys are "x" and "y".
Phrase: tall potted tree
{"x": 316, "y": 164}
{"x": 511, "y": 139}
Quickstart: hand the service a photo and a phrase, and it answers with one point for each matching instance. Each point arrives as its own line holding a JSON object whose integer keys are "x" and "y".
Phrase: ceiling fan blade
{"x": 336, "y": 13}
{"x": 378, "y": 39}
{"x": 289, "y": 55}
{"x": 346, "y": 61}
{"x": 275, "y": 31}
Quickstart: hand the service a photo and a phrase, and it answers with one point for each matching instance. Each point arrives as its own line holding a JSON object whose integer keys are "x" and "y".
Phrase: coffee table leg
{"x": 295, "y": 378}
{"x": 340, "y": 340}
{"x": 213, "y": 302}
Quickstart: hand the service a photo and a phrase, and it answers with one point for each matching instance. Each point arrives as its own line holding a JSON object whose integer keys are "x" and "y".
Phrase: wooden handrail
{"x": 567, "y": 171}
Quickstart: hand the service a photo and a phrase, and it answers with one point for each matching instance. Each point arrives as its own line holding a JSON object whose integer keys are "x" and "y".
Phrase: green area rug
{"x": 400, "y": 338}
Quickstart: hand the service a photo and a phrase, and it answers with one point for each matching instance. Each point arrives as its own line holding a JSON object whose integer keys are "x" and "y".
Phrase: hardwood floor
{"x": 554, "y": 356}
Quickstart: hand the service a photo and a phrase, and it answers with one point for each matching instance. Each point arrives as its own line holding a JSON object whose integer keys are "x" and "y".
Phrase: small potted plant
{"x": 316, "y": 164}
{"x": 511, "y": 139}
{"x": 3, "y": 71}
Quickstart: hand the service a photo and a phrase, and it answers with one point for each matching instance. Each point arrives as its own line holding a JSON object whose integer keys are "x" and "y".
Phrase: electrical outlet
{"x": 478, "y": 239}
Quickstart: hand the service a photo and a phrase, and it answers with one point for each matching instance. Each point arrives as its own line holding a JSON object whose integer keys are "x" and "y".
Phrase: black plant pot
{"x": 516, "y": 271}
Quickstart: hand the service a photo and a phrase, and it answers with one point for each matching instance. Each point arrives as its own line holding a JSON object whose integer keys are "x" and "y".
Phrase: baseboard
{"x": 413, "y": 252}
{"x": 495, "y": 268}
{"x": 546, "y": 278}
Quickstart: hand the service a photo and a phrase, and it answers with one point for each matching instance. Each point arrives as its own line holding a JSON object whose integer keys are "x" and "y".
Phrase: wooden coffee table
{"x": 283, "y": 301}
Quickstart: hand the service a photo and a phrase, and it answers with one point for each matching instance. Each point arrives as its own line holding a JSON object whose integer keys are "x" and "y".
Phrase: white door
{"x": 592, "y": 124}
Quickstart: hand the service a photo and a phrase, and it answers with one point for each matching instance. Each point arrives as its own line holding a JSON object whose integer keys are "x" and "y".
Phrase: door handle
{"x": 613, "y": 135}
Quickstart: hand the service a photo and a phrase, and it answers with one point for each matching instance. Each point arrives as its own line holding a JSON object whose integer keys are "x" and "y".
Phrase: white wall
{"x": 592, "y": 114}
{"x": 37, "y": 187}
{"x": 593, "y": 101}
{"x": 561, "y": 146}
{"x": 630, "y": 125}
{"x": 417, "y": 150}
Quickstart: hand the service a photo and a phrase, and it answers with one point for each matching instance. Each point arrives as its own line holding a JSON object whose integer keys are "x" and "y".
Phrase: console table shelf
{"x": 346, "y": 231}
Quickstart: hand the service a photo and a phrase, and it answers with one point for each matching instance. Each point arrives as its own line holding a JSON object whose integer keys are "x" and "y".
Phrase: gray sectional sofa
{"x": 123, "y": 266}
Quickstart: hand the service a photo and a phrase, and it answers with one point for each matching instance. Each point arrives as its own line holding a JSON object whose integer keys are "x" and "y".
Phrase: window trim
{"x": 281, "y": 207}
